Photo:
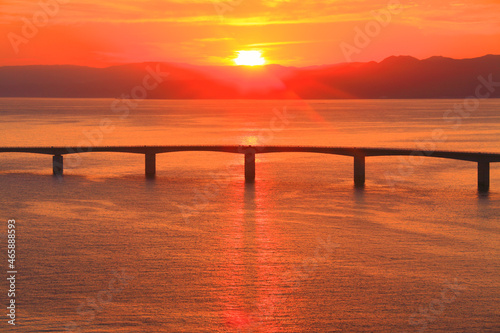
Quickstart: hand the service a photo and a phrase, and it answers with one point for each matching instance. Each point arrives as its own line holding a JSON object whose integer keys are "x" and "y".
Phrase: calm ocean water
{"x": 196, "y": 250}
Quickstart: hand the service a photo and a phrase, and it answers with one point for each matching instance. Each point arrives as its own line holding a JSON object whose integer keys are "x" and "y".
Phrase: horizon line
{"x": 253, "y": 67}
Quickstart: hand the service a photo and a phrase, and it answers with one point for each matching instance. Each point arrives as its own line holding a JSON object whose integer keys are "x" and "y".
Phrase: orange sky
{"x": 208, "y": 32}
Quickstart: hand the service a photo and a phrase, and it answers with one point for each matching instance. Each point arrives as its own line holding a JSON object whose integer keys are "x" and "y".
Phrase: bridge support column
{"x": 250, "y": 167}
{"x": 57, "y": 165}
{"x": 483, "y": 176}
{"x": 359, "y": 170}
{"x": 150, "y": 165}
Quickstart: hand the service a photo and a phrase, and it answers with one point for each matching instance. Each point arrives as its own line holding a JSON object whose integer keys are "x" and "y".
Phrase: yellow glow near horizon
{"x": 249, "y": 58}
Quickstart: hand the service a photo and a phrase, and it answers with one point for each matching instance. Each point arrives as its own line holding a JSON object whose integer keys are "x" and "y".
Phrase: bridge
{"x": 483, "y": 160}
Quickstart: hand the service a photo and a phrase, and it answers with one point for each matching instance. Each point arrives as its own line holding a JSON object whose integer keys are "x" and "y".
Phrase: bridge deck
{"x": 346, "y": 151}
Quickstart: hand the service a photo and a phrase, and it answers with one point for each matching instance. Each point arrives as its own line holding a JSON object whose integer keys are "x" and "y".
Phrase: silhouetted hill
{"x": 394, "y": 77}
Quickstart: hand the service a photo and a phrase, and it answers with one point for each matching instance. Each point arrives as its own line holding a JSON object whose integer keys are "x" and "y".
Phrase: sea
{"x": 105, "y": 249}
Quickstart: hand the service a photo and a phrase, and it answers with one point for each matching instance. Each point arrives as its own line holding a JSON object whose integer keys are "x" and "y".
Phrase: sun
{"x": 249, "y": 58}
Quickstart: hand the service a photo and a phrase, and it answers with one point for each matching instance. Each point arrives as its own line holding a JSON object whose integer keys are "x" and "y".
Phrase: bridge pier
{"x": 250, "y": 167}
{"x": 57, "y": 165}
{"x": 483, "y": 176}
{"x": 150, "y": 165}
{"x": 359, "y": 170}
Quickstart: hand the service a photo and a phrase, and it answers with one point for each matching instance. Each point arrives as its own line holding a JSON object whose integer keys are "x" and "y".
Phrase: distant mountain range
{"x": 395, "y": 77}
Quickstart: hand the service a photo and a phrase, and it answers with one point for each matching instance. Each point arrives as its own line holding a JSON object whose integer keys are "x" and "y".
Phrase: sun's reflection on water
{"x": 252, "y": 248}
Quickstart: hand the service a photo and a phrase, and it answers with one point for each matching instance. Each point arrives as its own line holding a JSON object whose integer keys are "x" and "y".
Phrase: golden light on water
{"x": 249, "y": 58}
{"x": 250, "y": 141}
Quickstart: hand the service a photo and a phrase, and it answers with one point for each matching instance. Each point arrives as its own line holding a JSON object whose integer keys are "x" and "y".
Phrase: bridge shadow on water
{"x": 359, "y": 194}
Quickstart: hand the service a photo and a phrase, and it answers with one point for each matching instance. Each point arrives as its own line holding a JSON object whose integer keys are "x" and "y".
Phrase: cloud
{"x": 285, "y": 43}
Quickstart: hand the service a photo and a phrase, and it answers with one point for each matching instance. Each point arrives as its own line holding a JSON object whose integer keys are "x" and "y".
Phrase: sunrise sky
{"x": 205, "y": 32}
